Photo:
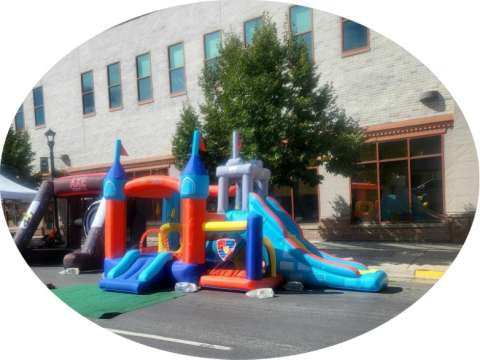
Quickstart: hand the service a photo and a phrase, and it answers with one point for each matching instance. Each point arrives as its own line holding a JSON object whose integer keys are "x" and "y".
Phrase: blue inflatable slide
{"x": 299, "y": 260}
{"x": 137, "y": 273}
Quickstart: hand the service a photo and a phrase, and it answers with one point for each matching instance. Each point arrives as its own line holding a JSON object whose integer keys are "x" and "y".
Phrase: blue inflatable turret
{"x": 115, "y": 179}
{"x": 194, "y": 179}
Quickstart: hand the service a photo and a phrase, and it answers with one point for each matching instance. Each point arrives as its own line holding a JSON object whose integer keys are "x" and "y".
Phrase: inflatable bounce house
{"x": 250, "y": 242}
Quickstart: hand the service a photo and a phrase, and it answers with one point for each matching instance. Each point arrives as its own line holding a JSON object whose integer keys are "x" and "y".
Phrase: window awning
{"x": 426, "y": 126}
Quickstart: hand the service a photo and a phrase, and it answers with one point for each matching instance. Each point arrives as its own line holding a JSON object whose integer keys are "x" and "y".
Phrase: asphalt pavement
{"x": 220, "y": 324}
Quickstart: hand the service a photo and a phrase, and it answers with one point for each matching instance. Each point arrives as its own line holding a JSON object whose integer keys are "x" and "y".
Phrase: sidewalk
{"x": 398, "y": 260}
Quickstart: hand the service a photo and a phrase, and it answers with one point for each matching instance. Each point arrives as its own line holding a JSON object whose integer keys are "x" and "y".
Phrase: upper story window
{"x": 38, "y": 106}
{"x": 176, "y": 62}
{"x": 301, "y": 26}
{"x": 212, "y": 44}
{"x": 249, "y": 28}
{"x": 144, "y": 78}
{"x": 88, "y": 97}
{"x": 355, "y": 37}
{"x": 19, "y": 119}
{"x": 114, "y": 86}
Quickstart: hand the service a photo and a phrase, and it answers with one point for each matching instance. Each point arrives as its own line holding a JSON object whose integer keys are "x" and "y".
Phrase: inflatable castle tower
{"x": 247, "y": 176}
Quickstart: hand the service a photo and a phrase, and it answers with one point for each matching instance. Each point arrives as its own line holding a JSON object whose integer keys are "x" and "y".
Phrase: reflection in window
{"x": 212, "y": 43}
{"x": 249, "y": 29}
{"x": 394, "y": 191}
{"x": 144, "y": 78}
{"x": 44, "y": 168}
{"x": 305, "y": 200}
{"x": 301, "y": 27}
{"x": 426, "y": 146}
{"x": 177, "y": 68}
{"x": 418, "y": 198}
{"x": 19, "y": 119}
{"x": 88, "y": 99}
{"x": 393, "y": 150}
{"x": 427, "y": 195}
{"x": 114, "y": 86}
{"x": 38, "y": 106}
{"x": 368, "y": 152}
{"x": 301, "y": 201}
{"x": 365, "y": 194}
{"x": 355, "y": 36}
{"x": 283, "y": 195}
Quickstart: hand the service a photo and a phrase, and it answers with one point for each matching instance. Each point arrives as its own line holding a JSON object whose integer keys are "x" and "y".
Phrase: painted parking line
{"x": 428, "y": 274}
{"x": 168, "y": 339}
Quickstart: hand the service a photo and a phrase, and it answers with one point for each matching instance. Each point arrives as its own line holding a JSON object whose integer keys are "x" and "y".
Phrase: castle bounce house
{"x": 250, "y": 242}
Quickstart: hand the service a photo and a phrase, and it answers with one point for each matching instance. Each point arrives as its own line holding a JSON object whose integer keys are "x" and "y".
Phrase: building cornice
{"x": 424, "y": 126}
{"x": 147, "y": 163}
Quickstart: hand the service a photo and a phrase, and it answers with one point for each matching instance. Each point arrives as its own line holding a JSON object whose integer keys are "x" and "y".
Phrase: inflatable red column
{"x": 115, "y": 211}
{"x": 194, "y": 184}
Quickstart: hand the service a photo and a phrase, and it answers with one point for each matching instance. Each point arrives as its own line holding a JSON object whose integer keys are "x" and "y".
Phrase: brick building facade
{"x": 131, "y": 81}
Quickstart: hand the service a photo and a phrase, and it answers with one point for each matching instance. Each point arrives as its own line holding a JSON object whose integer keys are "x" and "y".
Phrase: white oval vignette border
{"x": 36, "y": 34}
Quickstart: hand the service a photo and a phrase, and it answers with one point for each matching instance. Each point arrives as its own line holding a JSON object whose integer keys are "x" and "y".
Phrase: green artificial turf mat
{"x": 93, "y": 302}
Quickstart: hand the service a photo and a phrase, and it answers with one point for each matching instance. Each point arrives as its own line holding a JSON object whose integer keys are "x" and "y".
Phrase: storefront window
{"x": 427, "y": 184}
{"x": 394, "y": 191}
{"x": 393, "y": 150}
{"x": 283, "y": 195}
{"x": 402, "y": 183}
{"x": 305, "y": 201}
{"x": 365, "y": 194}
{"x": 301, "y": 201}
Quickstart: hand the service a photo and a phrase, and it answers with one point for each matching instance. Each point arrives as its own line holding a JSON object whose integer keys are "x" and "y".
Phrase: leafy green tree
{"x": 182, "y": 139}
{"x": 271, "y": 92}
{"x": 17, "y": 156}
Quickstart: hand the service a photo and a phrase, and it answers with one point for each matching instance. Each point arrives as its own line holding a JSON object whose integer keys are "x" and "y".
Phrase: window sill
{"x": 39, "y": 127}
{"x": 177, "y": 94}
{"x": 145, "y": 102}
{"x": 353, "y": 52}
{"x": 89, "y": 115}
{"x": 118, "y": 108}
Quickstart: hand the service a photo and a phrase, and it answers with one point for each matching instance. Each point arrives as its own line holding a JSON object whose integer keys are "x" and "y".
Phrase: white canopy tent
{"x": 10, "y": 190}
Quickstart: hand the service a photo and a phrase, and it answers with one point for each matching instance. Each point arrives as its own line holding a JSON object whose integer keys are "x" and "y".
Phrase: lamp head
{"x": 50, "y": 135}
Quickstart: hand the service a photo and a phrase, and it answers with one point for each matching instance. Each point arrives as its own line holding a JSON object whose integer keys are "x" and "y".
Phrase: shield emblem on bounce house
{"x": 225, "y": 247}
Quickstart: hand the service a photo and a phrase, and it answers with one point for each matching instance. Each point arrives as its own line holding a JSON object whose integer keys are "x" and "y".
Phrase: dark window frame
{"x": 88, "y": 92}
{"x": 39, "y": 107}
{"x": 408, "y": 158}
{"x": 351, "y": 52}
{"x": 295, "y": 35}
{"x": 150, "y": 99}
{"x": 110, "y": 86}
{"x": 170, "y": 70}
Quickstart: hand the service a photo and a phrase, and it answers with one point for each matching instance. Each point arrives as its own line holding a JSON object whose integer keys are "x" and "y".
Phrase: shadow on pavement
{"x": 392, "y": 290}
{"x": 309, "y": 292}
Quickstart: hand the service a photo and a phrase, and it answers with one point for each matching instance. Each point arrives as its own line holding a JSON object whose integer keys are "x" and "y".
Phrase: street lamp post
{"x": 50, "y": 135}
